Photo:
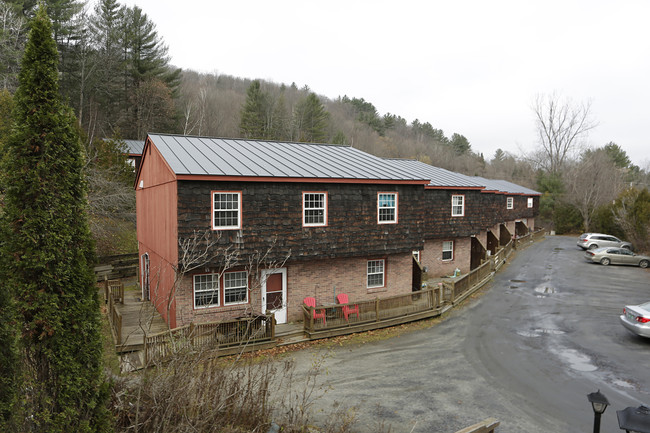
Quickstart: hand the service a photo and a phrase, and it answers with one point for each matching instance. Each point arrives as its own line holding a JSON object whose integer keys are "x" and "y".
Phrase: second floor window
{"x": 530, "y": 202}
{"x": 226, "y": 210}
{"x": 314, "y": 208}
{"x": 510, "y": 203}
{"x": 457, "y": 205}
{"x": 387, "y": 208}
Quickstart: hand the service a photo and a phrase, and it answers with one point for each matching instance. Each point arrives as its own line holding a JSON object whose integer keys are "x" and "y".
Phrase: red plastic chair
{"x": 342, "y": 298}
{"x": 311, "y": 302}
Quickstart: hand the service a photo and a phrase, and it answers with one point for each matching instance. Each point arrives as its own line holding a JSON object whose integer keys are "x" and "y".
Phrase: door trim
{"x": 282, "y": 317}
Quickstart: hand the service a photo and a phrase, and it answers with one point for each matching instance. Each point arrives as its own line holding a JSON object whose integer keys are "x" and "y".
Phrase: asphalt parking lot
{"x": 526, "y": 350}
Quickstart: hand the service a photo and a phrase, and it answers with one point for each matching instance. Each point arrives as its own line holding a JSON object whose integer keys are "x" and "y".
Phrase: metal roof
{"x": 438, "y": 177}
{"x": 505, "y": 186}
{"x": 188, "y": 155}
{"x": 134, "y": 147}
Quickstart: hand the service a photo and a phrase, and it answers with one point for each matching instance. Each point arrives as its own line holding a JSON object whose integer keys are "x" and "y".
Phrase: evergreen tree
{"x": 47, "y": 253}
{"x": 281, "y": 122}
{"x": 146, "y": 65}
{"x": 310, "y": 120}
{"x": 105, "y": 26}
{"x": 460, "y": 144}
{"x": 253, "y": 115}
{"x": 9, "y": 359}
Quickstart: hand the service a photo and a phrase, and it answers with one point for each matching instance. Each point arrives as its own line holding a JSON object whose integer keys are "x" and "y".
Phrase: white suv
{"x": 591, "y": 241}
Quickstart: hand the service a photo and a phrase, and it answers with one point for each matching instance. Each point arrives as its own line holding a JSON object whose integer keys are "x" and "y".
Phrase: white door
{"x": 274, "y": 293}
{"x": 144, "y": 270}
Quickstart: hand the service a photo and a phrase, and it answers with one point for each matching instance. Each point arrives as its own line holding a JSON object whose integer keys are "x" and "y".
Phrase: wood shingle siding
{"x": 274, "y": 210}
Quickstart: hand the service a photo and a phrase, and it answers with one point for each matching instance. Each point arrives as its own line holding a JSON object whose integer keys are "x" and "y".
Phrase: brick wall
{"x": 322, "y": 279}
{"x": 431, "y": 257}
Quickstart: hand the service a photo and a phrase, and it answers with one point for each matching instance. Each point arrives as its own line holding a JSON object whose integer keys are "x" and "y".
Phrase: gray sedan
{"x": 636, "y": 318}
{"x": 617, "y": 256}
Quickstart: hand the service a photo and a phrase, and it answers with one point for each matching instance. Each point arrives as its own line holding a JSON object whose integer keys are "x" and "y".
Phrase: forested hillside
{"x": 116, "y": 73}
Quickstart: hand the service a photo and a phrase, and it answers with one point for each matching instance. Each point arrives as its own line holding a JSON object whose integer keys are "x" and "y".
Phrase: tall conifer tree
{"x": 47, "y": 252}
{"x": 253, "y": 114}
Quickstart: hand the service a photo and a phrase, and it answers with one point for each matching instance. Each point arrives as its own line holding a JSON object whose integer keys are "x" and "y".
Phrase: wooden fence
{"x": 118, "y": 266}
{"x": 209, "y": 336}
{"x": 114, "y": 294}
{"x": 375, "y": 310}
{"x": 460, "y": 287}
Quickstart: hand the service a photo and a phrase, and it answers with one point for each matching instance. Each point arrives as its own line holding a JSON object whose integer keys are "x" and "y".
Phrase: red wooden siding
{"x": 157, "y": 227}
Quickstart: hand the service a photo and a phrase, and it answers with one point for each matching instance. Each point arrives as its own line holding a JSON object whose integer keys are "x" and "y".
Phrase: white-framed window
{"x": 314, "y": 209}
{"x": 387, "y": 207}
{"x": 447, "y": 250}
{"x": 206, "y": 290}
{"x": 235, "y": 287}
{"x": 375, "y": 273}
{"x": 510, "y": 203}
{"x": 530, "y": 202}
{"x": 457, "y": 205}
{"x": 226, "y": 210}
{"x": 416, "y": 255}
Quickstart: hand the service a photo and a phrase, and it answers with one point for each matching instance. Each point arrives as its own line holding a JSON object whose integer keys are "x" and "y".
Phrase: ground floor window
{"x": 447, "y": 250}
{"x": 235, "y": 287}
{"x": 375, "y": 273}
{"x": 206, "y": 290}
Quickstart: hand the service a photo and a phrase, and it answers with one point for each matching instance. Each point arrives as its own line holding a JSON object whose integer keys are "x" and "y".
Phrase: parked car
{"x": 591, "y": 241}
{"x": 636, "y": 318}
{"x": 617, "y": 256}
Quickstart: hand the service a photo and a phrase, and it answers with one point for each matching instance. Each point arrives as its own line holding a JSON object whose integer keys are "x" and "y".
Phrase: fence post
{"x": 191, "y": 329}
{"x": 272, "y": 326}
{"x": 119, "y": 329}
{"x": 105, "y": 288}
{"x": 377, "y": 309}
{"x": 146, "y": 351}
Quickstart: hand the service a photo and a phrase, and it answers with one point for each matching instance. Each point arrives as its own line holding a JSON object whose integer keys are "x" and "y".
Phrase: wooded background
{"x": 116, "y": 73}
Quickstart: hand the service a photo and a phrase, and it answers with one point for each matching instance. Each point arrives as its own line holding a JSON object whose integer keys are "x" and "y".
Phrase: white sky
{"x": 467, "y": 66}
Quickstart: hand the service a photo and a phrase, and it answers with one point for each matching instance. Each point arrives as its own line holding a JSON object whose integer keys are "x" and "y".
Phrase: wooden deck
{"x": 137, "y": 318}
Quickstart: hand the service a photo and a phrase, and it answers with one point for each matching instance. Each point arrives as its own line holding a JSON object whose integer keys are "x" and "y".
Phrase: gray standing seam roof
{"x": 134, "y": 147}
{"x": 252, "y": 158}
{"x": 505, "y": 186}
{"x": 439, "y": 177}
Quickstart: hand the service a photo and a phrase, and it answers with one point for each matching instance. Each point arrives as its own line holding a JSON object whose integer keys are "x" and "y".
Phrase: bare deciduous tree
{"x": 13, "y": 32}
{"x": 592, "y": 182}
{"x": 561, "y": 127}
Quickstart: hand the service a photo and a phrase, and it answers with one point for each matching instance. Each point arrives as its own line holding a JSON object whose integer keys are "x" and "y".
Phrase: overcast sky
{"x": 468, "y": 66}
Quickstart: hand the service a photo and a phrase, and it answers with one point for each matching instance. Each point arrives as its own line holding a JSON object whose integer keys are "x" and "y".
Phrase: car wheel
{"x": 605, "y": 261}
{"x": 593, "y": 246}
{"x": 644, "y": 263}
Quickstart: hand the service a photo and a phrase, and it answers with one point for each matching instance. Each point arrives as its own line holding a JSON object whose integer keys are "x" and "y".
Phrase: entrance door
{"x": 274, "y": 293}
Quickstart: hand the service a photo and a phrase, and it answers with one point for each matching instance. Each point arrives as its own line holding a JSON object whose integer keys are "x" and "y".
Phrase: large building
{"x": 291, "y": 220}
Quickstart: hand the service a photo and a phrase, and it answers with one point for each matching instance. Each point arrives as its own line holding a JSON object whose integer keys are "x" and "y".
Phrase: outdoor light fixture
{"x": 599, "y": 403}
{"x": 634, "y": 419}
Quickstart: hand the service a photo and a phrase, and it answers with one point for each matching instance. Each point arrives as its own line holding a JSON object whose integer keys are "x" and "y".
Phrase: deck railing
{"x": 374, "y": 310}
{"x": 114, "y": 316}
{"x": 462, "y": 285}
{"x": 114, "y": 289}
{"x": 209, "y": 336}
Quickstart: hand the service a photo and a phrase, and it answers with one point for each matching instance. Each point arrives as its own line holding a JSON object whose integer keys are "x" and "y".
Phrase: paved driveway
{"x": 527, "y": 351}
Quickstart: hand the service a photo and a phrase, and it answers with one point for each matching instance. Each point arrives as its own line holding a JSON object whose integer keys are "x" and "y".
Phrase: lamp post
{"x": 599, "y": 403}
